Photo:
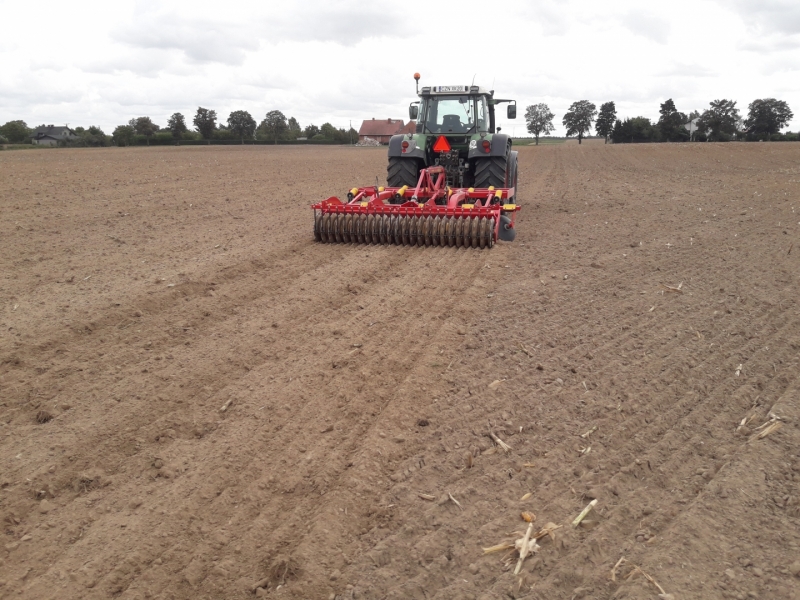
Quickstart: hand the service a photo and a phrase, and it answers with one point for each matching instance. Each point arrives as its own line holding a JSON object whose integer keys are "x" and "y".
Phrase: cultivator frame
{"x": 432, "y": 214}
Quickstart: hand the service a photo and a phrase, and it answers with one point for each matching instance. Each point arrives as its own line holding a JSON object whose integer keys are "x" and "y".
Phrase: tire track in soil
{"x": 160, "y": 320}
{"x": 346, "y": 276}
{"x": 316, "y": 265}
{"x": 672, "y": 474}
{"x": 291, "y": 534}
{"x": 352, "y": 448}
{"x": 678, "y": 370}
{"x": 451, "y": 592}
{"x": 688, "y": 414}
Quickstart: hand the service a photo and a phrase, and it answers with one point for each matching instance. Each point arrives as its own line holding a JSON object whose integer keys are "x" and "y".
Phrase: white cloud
{"x": 648, "y": 25}
{"x": 769, "y": 16}
{"x": 771, "y": 44}
{"x": 350, "y": 60}
{"x": 225, "y": 39}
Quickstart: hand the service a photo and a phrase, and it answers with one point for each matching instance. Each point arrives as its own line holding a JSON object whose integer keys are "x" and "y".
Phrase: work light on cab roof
{"x": 450, "y": 182}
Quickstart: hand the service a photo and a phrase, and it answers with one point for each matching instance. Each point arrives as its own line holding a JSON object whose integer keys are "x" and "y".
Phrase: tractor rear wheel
{"x": 497, "y": 171}
{"x": 512, "y": 174}
{"x": 491, "y": 172}
{"x": 402, "y": 171}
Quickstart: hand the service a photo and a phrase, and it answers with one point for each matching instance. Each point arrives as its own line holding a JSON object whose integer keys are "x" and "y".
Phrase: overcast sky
{"x": 87, "y": 62}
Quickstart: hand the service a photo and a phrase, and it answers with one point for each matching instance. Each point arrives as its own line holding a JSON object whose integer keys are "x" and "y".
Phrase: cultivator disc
{"x": 429, "y": 215}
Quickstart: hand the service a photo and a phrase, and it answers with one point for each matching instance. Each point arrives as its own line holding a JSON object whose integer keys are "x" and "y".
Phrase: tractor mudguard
{"x": 414, "y": 151}
{"x": 499, "y": 147}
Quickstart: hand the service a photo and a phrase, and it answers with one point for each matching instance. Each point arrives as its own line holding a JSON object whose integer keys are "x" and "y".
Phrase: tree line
{"x": 240, "y": 125}
{"x": 720, "y": 122}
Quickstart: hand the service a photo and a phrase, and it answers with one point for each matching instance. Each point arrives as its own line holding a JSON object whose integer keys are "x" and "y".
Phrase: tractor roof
{"x": 449, "y": 90}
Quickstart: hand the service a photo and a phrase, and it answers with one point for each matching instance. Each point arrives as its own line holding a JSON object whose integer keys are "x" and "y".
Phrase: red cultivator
{"x": 431, "y": 214}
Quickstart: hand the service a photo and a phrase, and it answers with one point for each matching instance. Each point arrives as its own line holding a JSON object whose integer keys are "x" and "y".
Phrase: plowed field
{"x": 198, "y": 400}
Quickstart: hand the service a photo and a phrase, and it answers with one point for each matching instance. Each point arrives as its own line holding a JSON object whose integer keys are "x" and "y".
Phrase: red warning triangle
{"x": 441, "y": 145}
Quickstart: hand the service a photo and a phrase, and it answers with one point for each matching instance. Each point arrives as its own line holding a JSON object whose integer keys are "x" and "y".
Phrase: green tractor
{"x": 456, "y": 130}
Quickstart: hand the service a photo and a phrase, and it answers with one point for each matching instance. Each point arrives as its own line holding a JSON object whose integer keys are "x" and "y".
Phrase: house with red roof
{"x": 382, "y": 130}
{"x": 411, "y": 127}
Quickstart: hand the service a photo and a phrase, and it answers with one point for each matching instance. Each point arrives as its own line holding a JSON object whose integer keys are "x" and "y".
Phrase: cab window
{"x": 450, "y": 114}
{"x": 483, "y": 114}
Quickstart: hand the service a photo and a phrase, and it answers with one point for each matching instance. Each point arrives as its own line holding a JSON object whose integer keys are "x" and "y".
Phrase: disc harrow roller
{"x": 429, "y": 215}
{"x": 455, "y": 232}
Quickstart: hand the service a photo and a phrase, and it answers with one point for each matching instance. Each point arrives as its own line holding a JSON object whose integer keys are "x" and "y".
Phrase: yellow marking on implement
{"x": 381, "y": 189}
{"x": 421, "y": 204}
{"x": 491, "y": 188}
{"x": 498, "y": 194}
{"x": 470, "y": 190}
{"x": 402, "y": 190}
{"x": 365, "y": 204}
{"x": 354, "y": 191}
{"x": 509, "y": 207}
{"x": 467, "y": 206}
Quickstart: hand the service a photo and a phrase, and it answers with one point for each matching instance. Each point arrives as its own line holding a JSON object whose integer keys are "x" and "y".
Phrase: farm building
{"x": 411, "y": 127}
{"x": 382, "y": 130}
{"x": 50, "y": 135}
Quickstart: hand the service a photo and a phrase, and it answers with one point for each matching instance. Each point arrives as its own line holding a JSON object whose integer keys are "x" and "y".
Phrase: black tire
{"x": 491, "y": 172}
{"x": 513, "y": 179}
{"x": 402, "y": 171}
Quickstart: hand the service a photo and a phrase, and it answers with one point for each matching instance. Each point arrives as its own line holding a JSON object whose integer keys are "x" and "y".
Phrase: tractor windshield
{"x": 452, "y": 114}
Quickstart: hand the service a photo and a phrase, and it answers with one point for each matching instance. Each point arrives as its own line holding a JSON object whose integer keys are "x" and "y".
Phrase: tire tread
{"x": 402, "y": 171}
{"x": 491, "y": 172}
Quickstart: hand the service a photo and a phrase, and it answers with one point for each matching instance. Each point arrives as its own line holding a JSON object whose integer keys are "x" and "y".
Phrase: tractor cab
{"x": 446, "y": 113}
{"x": 457, "y": 109}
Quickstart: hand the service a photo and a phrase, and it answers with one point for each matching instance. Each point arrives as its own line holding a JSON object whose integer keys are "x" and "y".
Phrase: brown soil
{"x": 143, "y": 290}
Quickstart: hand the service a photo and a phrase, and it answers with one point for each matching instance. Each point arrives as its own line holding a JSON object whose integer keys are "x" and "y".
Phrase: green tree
{"x": 294, "y": 129}
{"x": 205, "y": 121}
{"x": 177, "y": 125}
{"x": 579, "y": 118}
{"x": 123, "y": 135}
{"x": 720, "y": 119}
{"x": 671, "y": 123}
{"x": 242, "y": 124}
{"x": 144, "y": 126}
{"x": 274, "y": 125}
{"x": 539, "y": 120}
{"x": 605, "y": 120}
{"x": 16, "y": 132}
{"x": 638, "y": 130}
{"x": 767, "y": 117}
{"x": 93, "y": 137}
{"x": 343, "y": 136}
{"x": 328, "y": 131}
{"x": 311, "y": 131}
